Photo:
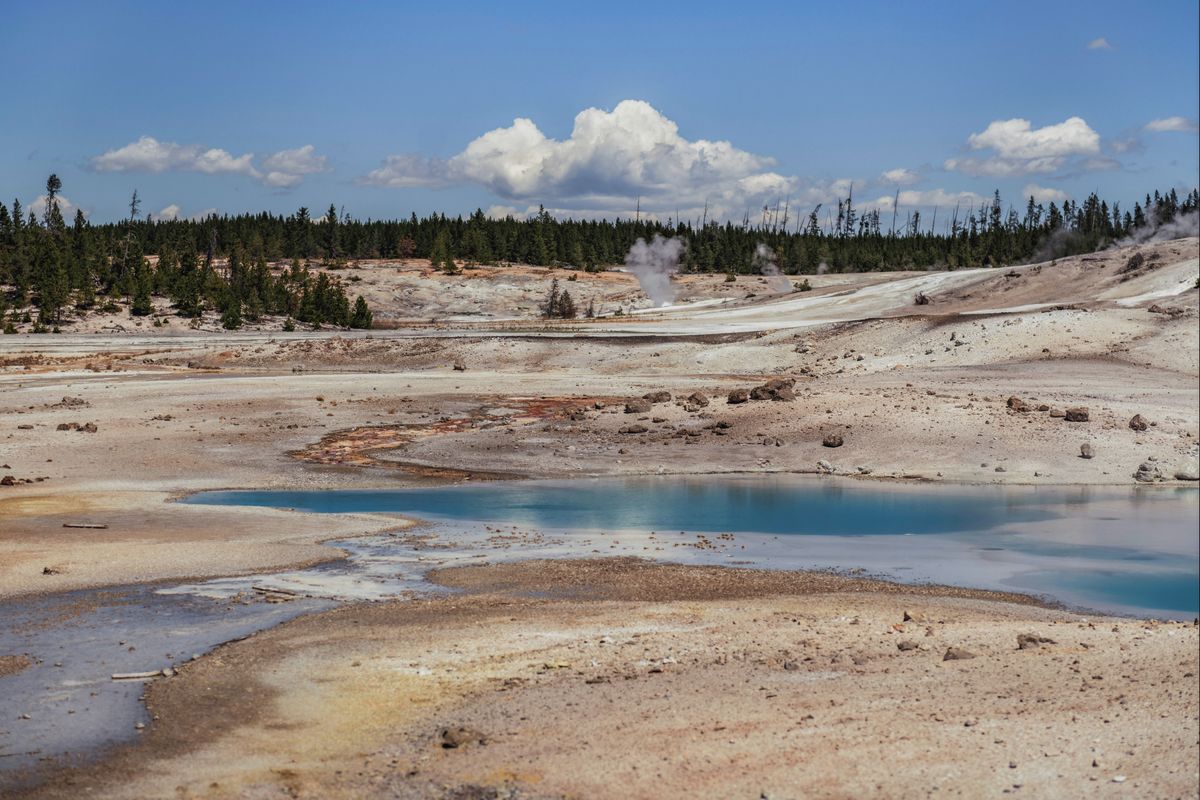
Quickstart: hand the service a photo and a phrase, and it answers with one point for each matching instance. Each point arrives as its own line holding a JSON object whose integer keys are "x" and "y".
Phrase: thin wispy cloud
{"x": 1172, "y": 124}
{"x": 1099, "y": 44}
{"x": 283, "y": 169}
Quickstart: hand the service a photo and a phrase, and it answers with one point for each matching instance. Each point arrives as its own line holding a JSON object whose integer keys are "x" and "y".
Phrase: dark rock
{"x": 8, "y": 480}
{"x": 1138, "y": 423}
{"x": 905, "y": 645}
{"x": 637, "y": 406}
{"x": 1077, "y": 414}
{"x": 1085, "y": 451}
{"x": 452, "y": 738}
{"x": 88, "y": 428}
{"x": 698, "y": 399}
{"x": 657, "y": 397}
{"x": 832, "y": 440}
{"x": 460, "y": 366}
{"x": 1026, "y": 641}
{"x": 775, "y": 389}
{"x": 738, "y": 396}
{"x": 637, "y": 428}
{"x": 957, "y": 654}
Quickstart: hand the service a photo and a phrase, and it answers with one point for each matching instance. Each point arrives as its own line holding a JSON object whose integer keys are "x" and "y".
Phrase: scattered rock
{"x": 1138, "y": 423}
{"x": 824, "y": 467}
{"x": 1026, "y": 641}
{"x": 738, "y": 396}
{"x": 698, "y": 399}
{"x": 914, "y": 616}
{"x": 657, "y": 397}
{"x": 775, "y": 389}
{"x": 636, "y": 428}
{"x": 452, "y": 738}
{"x": 832, "y": 440}
{"x": 1188, "y": 472}
{"x": 904, "y": 645}
{"x": 1057, "y": 413}
{"x": 1085, "y": 451}
{"x": 921, "y": 299}
{"x": 957, "y": 654}
{"x": 1076, "y": 414}
{"x": 460, "y": 366}
{"x": 1149, "y": 472}
{"x": 640, "y": 406}
{"x": 8, "y": 480}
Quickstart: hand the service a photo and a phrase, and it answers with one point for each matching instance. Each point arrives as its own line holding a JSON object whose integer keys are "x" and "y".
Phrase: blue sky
{"x": 252, "y": 106}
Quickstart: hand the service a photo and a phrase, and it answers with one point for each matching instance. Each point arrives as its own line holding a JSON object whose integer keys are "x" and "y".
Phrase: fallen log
{"x": 136, "y": 676}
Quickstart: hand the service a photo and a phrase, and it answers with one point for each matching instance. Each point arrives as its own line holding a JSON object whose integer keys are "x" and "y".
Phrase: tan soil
{"x": 745, "y": 684}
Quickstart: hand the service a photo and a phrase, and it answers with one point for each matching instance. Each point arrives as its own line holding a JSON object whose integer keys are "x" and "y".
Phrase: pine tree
{"x": 566, "y": 306}
{"x": 362, "y": 316}
{"x": 550, "y": 309}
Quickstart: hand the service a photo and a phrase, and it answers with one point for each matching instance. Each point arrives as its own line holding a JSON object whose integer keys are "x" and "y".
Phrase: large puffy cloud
{"x": 1020, "y": 149}
{"x": 611, "y": 159}
{"x": 283, "y": 169}
{"x": 1167, "y": 124}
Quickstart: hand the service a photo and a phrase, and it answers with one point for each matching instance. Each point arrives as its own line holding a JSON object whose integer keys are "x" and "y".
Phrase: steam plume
{"x": 764, "y": 260}
{"x": 653, "y": 265}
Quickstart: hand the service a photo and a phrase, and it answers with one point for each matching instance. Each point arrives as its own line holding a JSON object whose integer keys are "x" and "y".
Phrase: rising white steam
{"x": 653, "y": 264}
{"x": 1183, "y": 225}
{"x": 764, "y": 262}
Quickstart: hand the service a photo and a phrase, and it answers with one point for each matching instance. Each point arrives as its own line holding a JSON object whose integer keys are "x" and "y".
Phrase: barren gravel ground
{"x": 331, "y": 707}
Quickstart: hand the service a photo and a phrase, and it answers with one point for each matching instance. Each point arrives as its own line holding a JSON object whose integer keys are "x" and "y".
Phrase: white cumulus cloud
{"x": 1043, "y": 194}
{"x": 899, "y": 177}
{"x": 65, "y": 207}
{"x": 1020, "y": 149}
{"x": 1099, "y": 44}
{"x": 928, "y": 198}
{"x": 610, "y": 159}
{"x": 169, "y": 213}
{"x": 287, "y": 168}
{"x": 283, "y": 169}
{"x": 1168, "y": 124}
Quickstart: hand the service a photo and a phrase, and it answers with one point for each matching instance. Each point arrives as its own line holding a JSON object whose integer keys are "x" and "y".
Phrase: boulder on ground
{"x": 460, "y": 366}
{"x": 8, "y": 480}
{"x": 775, "y": 389}
{"x": 1138, "y": 423}
{"x": 89, "y": 427}
{"x": 824, "y": 467}
{"x": 1057, "y": 413}
{"x": 1026, "y": 641}
{"x": 738, "y": 396}
{"x": 637, "y": 428}
{"x": 1085, "y": 451}
{"x": 1076, "y": 414}
{"x": 832, "y": 440}
{"x": 657, "y": 397}
{"x": 699, "y": 399}
{"x": 957, "y": 654}
{"x": 1149, "y": 472}
{"x": 638, "y": 406}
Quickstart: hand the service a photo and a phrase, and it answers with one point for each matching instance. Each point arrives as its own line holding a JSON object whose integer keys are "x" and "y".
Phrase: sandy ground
{"x": 673, "y": 682}
{"x": 917, "y": 393}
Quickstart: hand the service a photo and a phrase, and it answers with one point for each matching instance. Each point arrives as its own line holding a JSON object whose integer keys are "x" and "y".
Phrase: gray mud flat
{"x": 65, "y": 707}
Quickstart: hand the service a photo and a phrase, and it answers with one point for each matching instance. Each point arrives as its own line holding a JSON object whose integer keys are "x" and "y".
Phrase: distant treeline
{"x": 221, "y": 262}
